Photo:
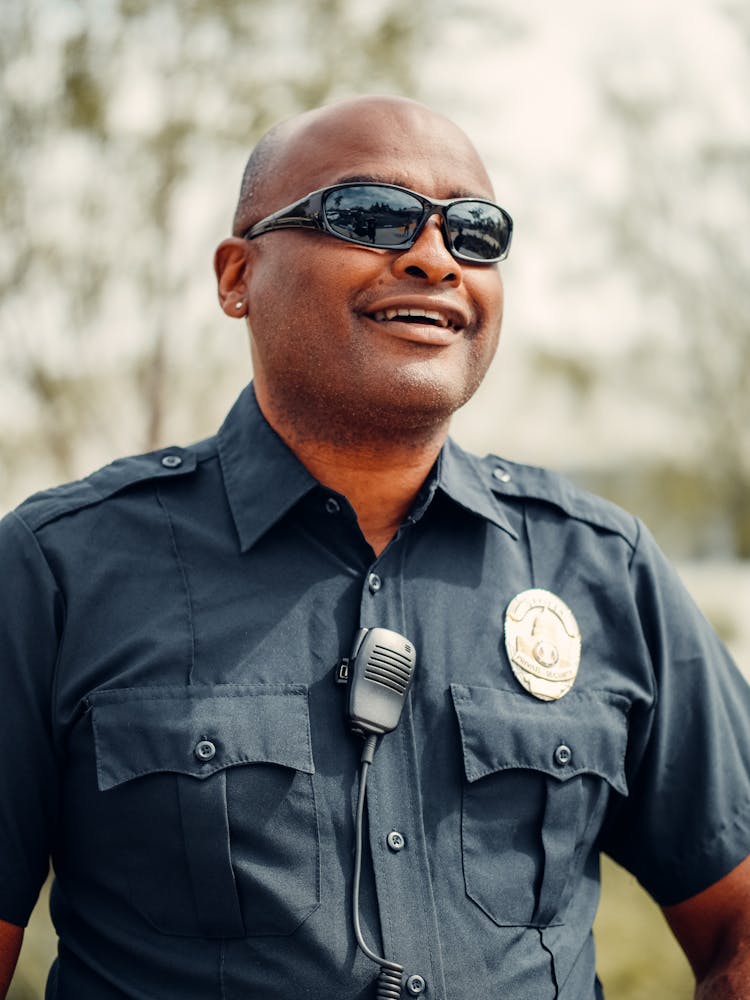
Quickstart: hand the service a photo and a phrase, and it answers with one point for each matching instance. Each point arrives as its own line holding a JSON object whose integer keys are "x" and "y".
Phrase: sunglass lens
{"x": 478, "y": 231}
{"x": 369, "y": 213}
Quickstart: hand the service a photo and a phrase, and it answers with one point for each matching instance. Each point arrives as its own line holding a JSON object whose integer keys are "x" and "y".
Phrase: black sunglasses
{"x": 391, "y": 218}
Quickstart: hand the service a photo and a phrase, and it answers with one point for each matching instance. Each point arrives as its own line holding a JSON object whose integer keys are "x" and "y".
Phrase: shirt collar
{"x": 264, "y": 479}
{"x": 262, "y": 476}
{"x": 466, "y": 480}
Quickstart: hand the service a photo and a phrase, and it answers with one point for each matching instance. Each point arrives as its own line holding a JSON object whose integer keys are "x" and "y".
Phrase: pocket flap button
{"x": 205, "y": 751}
{"x": 563, "y": 755}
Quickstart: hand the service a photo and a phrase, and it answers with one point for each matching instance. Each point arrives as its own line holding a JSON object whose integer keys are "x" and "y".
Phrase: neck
{"x": 379, "y": 477}
{"x": 381, "y": 489}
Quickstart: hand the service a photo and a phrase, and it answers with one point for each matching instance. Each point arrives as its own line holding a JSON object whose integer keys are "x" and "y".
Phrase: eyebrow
{"x": 375, "y": 179}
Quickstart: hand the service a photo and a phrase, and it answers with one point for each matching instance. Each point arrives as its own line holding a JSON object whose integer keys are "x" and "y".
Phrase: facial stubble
{"x": 395, "y": 403}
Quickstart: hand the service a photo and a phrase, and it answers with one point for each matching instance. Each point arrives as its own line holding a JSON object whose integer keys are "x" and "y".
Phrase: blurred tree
{"x": 122, "y": 121}
{"x": 681, "y": 229}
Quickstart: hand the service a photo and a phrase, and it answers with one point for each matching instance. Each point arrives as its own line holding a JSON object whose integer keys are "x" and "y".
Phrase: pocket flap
{"x": 143, "y": 730}
{"x": 583, "y": 732}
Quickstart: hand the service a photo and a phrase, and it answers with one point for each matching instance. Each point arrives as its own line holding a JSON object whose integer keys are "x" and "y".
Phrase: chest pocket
{"x": 538, "y": 778}
{"x": 207, "y": 798}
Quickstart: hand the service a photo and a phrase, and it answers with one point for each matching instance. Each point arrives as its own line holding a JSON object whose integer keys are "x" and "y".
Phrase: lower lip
{"x": 416, "y": 333}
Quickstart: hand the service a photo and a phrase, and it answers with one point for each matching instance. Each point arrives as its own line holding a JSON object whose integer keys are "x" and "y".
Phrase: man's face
{"x": 326, "y": 354}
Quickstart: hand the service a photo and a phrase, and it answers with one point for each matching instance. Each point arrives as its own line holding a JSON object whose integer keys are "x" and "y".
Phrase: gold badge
{"x": 543, "y": 642}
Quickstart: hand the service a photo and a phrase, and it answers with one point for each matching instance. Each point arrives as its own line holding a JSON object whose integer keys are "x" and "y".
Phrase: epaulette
{"x": 529, "y": 482}
{"x": 49, "y": 505}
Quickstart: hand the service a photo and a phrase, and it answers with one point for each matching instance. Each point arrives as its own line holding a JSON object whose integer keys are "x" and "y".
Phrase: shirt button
{"x": 171, "y": 461}
{"x": 205, "y": 751}
{"x": 501, "y": 474}
{"x": 395, "y": 841}
{"x": 563, "y": 755}
{"x": 416, "y": 985}
{"x": 374, "y": 583}
{"x": 332, "y": 505}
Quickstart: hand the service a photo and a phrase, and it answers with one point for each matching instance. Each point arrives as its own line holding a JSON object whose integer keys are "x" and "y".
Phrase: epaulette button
{"x": 502, "y": 474}
{"x": 171, "y": 461}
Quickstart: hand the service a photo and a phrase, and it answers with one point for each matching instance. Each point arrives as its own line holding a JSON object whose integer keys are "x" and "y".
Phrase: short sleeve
{"x": 31, "y": 615}
{"x": 686, "y": 823}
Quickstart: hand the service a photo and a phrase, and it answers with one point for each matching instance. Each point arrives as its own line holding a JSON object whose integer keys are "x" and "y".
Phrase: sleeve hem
{"x": 717, "y": 855}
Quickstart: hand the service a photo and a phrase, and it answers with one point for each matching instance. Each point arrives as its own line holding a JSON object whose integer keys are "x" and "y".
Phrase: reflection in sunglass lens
{"x": 371, "y": 214}
{"x": 384, "y": 216}
{"x": 477, "y": 231}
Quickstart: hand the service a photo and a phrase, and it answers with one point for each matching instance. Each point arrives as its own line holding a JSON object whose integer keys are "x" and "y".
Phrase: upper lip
{"x": 447, "y": 314}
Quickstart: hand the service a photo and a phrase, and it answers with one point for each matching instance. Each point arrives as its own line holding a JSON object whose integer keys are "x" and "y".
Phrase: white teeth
{"x": 385, "y": 314}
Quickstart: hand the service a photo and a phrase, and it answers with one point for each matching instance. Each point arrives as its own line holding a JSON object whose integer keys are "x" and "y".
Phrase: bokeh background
{"x": 617, "y": 135}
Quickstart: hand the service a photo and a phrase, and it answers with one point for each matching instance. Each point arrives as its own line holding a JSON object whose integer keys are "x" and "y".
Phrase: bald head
{"x": 330, "y": 362}
{"x": 260, "y": 162}
{"x": 383, "y": 124}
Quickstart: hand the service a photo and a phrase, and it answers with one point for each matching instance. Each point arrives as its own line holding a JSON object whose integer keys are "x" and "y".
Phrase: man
{"x": 174, "y": 625}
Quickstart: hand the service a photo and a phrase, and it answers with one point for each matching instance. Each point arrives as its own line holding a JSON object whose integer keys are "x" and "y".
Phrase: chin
{"x": 410, "y": 410}
{"x": 393, "y": 402}
{"x": 423, "y": 394}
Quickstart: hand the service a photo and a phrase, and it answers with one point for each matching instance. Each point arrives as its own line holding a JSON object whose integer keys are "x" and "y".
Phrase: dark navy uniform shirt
{"x": 172, "y": 737}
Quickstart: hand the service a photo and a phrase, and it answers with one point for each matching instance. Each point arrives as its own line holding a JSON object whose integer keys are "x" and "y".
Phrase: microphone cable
{"x": 379, "y": 674}
{"x": 389, "y": 978}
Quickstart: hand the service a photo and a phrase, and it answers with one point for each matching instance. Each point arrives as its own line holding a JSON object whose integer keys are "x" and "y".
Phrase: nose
{"x": 429, "y": 257}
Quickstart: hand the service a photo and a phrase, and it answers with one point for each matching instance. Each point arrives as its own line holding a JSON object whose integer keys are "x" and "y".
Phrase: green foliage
{"x": 82, "y": 99}
{"x": 638, "y": 958}
{"x": 580, "y": 374}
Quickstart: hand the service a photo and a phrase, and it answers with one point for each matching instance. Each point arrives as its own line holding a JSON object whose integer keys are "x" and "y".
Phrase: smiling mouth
{"x": 421, "y": 317}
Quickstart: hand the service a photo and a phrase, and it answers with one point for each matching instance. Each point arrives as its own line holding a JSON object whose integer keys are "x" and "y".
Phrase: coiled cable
{"x": 389, "y": 979}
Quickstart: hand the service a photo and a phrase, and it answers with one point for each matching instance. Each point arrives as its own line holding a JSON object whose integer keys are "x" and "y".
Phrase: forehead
{"x": 396, "y": 141}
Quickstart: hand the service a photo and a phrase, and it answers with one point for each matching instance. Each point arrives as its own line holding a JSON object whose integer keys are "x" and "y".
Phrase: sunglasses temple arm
{"x": 302, "y": 215}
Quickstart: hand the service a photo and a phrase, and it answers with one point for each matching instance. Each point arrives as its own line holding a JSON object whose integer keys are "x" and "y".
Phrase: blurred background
{"x": 618, "y": 136}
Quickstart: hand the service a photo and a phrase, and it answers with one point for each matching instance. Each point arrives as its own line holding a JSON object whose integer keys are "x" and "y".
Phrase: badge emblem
{"x": 543, "y": 643}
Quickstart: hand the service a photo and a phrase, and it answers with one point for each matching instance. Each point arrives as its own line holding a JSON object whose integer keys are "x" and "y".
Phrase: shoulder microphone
{"x": 381, "y": 669}
{"x": 380, "y": 672}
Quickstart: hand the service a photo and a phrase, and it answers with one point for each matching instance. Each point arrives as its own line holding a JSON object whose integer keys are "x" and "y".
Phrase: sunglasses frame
{"x": 307, "y": 213}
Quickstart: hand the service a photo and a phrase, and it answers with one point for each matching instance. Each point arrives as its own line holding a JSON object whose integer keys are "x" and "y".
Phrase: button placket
{"x": 403, "y": 896}
{"x": 408, "y": 918}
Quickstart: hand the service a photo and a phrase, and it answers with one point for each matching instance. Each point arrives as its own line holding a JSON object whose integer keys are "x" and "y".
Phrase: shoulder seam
{"x": 44, "y": 508}
{"x": 512, "y": 480}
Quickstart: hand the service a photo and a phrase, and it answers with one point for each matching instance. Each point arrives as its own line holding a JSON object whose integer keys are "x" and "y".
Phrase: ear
{"x": 230, "y": 264}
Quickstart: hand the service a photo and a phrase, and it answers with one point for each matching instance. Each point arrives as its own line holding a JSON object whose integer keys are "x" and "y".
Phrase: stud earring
{"x": 239, "y": 305}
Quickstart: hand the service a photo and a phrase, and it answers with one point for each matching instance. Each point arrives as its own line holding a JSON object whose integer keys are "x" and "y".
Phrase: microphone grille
{"x": 390, "y": 668}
